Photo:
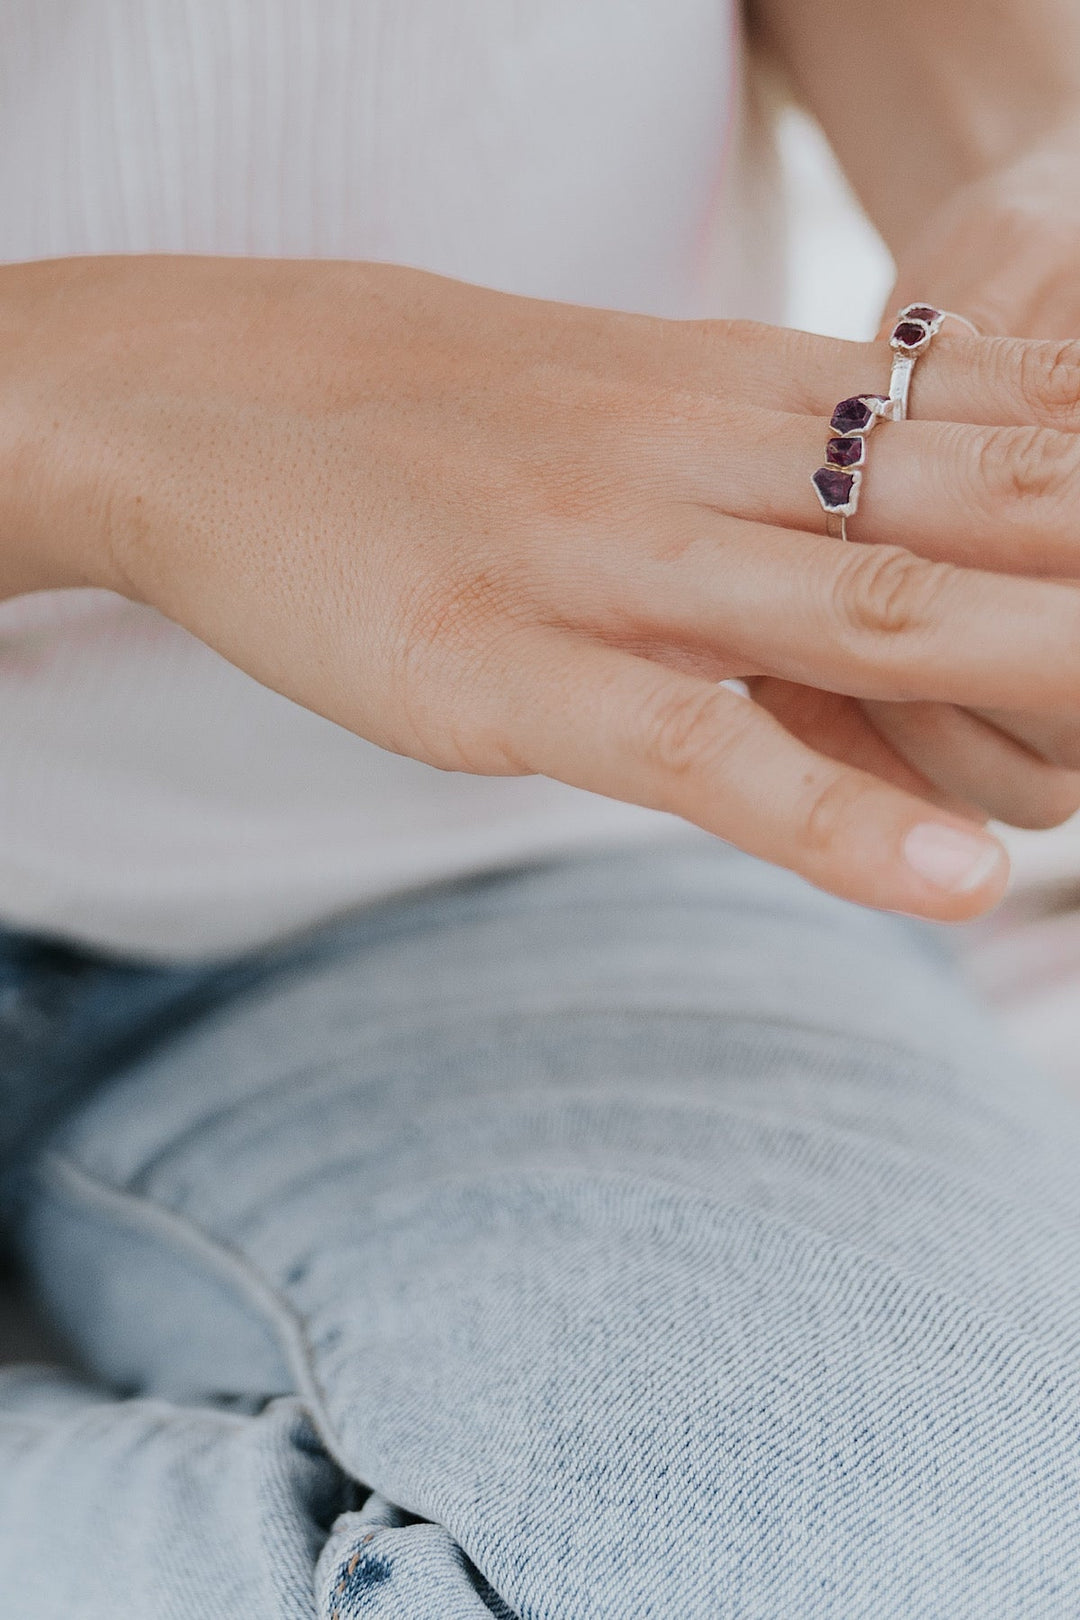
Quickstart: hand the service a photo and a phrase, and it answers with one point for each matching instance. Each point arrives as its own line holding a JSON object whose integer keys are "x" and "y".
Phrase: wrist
{"x": 46, "y": 541}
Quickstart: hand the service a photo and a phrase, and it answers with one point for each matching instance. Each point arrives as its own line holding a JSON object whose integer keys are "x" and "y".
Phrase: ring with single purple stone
{"x": 838, "y": 482}
{"x": 915, "y": 328}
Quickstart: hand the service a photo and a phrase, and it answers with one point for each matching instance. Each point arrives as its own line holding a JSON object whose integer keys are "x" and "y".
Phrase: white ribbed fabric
{"x": 153, "y": 799}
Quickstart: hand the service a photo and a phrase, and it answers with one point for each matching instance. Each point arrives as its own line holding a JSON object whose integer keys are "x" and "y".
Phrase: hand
{"x": 505, "y": 536}
{"x": 1006, "y": 249}
{"x": 1006, "y": 252}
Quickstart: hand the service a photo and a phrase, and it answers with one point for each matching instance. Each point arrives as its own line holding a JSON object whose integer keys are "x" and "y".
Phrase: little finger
{"x": 620, "y": 725}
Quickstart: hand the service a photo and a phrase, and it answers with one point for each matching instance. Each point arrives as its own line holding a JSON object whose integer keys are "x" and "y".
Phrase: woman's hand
{"x": 504, "y": 536}
{"x": 1005, "y": 250}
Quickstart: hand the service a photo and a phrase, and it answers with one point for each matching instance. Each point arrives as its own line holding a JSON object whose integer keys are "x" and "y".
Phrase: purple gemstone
{"x": 834, "y": 487}
{"x": 921, "y": 312}
{"x": 852, "y": 416}
{"x": 910, "y": 335}
{"x": 845, "y": 452}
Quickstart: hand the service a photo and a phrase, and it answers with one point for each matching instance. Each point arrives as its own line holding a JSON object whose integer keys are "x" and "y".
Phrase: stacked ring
{"x": 916, "y": 327}
{"x": 837, "y": 483}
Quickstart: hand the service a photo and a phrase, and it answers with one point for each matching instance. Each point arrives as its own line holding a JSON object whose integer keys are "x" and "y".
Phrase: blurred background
{"x": 828, "y": 229}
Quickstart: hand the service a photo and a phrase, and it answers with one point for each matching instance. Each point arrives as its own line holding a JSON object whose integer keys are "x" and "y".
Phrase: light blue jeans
{"x": 639, "y": 1236}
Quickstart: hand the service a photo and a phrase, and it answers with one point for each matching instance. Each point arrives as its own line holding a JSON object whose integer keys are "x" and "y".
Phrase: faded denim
{"x": 642, "y": 1236}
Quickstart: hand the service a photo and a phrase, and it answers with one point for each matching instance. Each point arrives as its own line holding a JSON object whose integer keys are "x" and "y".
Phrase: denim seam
{"x": 74, "y": 1184}
{"x": 142, "y": 1213}
{"x": 1046, "y": 1364}
{"x": 230, "y": 1263}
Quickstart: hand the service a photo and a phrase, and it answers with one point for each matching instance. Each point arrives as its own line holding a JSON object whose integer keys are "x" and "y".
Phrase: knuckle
{"x": 1050, "y": 383}
{"x": 1022, "y": 467}
{"x": 885, "y": 590}
{"x": 450, "y": 612}
{"x": 832, "y": 809}
{"x": 689, "y": 731}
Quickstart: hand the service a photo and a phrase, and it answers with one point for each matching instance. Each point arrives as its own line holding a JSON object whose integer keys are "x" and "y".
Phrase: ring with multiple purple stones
{"x": 838, "y": 482}
{"x": 914, "y": 330}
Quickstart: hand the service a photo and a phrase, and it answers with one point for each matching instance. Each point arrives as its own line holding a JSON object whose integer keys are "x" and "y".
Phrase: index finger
{"x": 986, "y": 381}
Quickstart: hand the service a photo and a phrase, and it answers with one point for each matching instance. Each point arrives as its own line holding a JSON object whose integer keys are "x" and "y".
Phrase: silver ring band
{"x": 915, "y": 328}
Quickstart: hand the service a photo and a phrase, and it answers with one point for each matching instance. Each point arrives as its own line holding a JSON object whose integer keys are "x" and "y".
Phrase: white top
{"x": 152, "y": 798}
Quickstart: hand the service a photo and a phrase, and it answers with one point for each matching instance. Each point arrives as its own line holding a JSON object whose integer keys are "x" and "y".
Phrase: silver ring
{"x": 914, "y": 329}
{"x": 838, "y": 482}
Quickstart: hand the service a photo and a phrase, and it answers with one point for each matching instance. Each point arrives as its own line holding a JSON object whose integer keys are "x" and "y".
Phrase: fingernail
{"x": 950, "y": 859}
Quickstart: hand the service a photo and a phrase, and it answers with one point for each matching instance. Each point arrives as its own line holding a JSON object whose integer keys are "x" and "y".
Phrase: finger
{"x": 1053, "y": 737}
{"x": 1006, "y": 499}
{"x": 871, "y": 621}
{"x": 998, "y": 381}
{"x": 998, "y": 498}
{"x": 838, "y": 727}
{"x": 977, "y": 762}
{"x": 994, "y": 381}
{"x": 622, "y": 726}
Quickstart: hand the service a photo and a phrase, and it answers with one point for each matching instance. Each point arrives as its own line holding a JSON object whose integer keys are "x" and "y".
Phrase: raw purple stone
{"x": 834, "y": 487}
{"x": 922, "y": 312}
{"x": 910, "y": 334}
{"x": 852, "y": 416}
{"x": 845, "y": 452}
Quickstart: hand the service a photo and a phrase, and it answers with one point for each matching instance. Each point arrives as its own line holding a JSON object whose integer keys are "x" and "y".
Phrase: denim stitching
{"x": 69, "y": 1180}
{"x": 229, "y": 1264}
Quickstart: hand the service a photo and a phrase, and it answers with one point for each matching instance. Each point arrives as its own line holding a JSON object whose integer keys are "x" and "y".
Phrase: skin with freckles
{"x": 505, "y": 536}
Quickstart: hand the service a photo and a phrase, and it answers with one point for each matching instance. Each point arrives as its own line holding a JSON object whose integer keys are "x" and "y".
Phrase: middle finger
{"x": 1002, "y": 498}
